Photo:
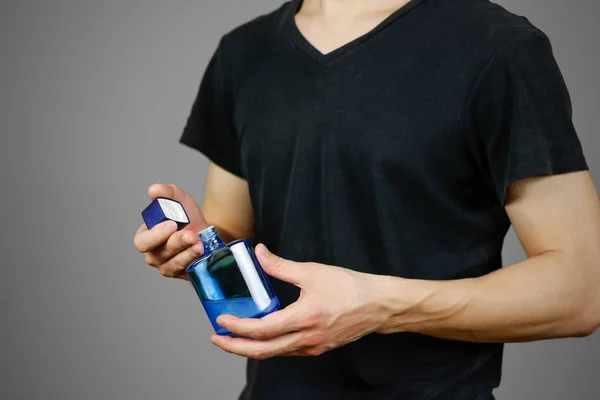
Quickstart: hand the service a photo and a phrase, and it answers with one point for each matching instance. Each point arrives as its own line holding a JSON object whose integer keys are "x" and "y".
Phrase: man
{"x": 381, "y": 150}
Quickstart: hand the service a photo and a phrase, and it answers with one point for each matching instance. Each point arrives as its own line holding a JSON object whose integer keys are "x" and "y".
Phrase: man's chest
{"x": 387, "y": 113}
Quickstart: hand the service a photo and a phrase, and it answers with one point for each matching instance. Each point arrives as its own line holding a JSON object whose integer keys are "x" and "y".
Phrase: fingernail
{"x": 198, "y": 248}
{"x": 170, "y": 227}
{"x": 265, "y": 252}
{"x": 213, "y": 340}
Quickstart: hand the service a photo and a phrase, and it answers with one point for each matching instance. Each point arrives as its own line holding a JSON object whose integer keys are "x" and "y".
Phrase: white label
{"x": 257, "y": 290}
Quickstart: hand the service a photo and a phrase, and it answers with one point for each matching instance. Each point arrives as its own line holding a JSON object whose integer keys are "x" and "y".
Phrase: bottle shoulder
{"x": 246, "y": 241}
{"x": 219, "y": 252}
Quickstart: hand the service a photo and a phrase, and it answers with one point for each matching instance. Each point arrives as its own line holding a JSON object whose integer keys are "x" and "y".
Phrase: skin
{"x": 555, "y": 293}
{"x": 330, "y": 24}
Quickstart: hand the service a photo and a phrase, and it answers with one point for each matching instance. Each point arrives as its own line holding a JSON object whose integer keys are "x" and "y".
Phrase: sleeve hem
{"x": 539, "y": 168}
{"x": 216, "y": 158}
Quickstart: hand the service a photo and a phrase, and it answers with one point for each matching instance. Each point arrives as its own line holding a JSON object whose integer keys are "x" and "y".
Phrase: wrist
{"x": 391, "y": 298}
{"x": 411, "y": 305}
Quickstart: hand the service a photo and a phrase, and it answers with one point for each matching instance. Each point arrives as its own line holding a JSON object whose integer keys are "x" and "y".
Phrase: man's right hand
{"x": 164, "y": 247}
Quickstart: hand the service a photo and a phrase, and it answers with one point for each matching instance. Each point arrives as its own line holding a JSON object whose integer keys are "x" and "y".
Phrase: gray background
{"x": 93, "y": 97}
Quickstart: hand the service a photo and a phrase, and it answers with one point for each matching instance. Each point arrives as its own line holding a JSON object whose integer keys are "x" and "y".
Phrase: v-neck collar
{"x": 309, "y": 49}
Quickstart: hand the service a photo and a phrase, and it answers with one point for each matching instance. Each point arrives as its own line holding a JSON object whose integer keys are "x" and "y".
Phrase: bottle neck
{"x": 210, "y": 240}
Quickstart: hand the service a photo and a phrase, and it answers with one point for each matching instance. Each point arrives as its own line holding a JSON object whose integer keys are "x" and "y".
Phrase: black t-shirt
{"x": 390, "y": 155}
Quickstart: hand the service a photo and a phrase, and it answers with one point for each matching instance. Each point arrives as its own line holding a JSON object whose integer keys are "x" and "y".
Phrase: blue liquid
{"x": 242, "y": 308}
{"x": 222, "y": 288}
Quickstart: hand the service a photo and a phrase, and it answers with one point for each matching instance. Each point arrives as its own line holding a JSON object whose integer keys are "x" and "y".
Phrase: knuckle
{"x": 138, "y": 244}
{"x": 150, "y": 260}
{"x": 227, "y": 349}
{"x": 179, "y": 267}
{"x": 185, "y": 239}
{"x": 190, "y": 256}
{"x": 261, "y": 334}
{"x": 313, "y": 340}
{"x": 177, "y": 191}
{"x": 182, "y": 275}
{"x": 167, "y": 272}
{"x": 258, "y": 354}
{"x": 193, "y": 253}
{"x": 307, "y": 324}
{"x": 315, "y": 351}
{"x": 264, "y": 356}
{"x": 169, "y": 247}
{"x": 180, "y": 263}
{"x": 313, "y": 319}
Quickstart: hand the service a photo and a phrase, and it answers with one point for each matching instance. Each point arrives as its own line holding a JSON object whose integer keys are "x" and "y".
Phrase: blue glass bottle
{"x": 229, "y": 280}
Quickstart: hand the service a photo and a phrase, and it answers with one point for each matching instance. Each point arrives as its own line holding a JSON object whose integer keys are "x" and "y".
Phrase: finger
{"x": 141, "y": 229}
{"x": 182, "y": 275}
{"x": 177, "y": 265}
{"x": 175, "y": 244}
{"x": 166, "y": 190}
{"x": 280, "y": 268}
{"x": 290, "y": 319}
{"x": 197, "y": 220}
{"x": 258, "y": 349}
{"x": 304, "y": 352}
{"x": 147, "y": 240}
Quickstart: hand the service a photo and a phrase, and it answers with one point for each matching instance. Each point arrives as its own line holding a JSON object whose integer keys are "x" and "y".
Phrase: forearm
{"x": 229, "y": 232}
{"x": 227, "y": 205}
{"x": 540, "y": 298}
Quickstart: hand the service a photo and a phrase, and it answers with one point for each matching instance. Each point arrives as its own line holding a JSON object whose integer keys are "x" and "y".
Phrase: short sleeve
{"x": 210, "y": 128}
{"x": 520, "y": 110}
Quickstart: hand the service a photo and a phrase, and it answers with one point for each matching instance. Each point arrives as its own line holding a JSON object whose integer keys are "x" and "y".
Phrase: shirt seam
{"x": 484, "y": 69}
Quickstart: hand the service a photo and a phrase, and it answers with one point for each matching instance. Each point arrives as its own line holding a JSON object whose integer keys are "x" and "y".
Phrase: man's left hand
{"x": 336, "y": 306}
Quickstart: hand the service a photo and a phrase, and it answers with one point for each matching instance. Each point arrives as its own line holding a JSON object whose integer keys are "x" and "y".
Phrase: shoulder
{"x": 487, "y": 27}
{"x": 472, "y": 36}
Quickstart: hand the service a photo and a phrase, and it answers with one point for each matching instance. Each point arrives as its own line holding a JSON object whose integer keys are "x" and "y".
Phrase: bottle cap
{"x": 207, "y": 230}
{"x": 163, "y": 209}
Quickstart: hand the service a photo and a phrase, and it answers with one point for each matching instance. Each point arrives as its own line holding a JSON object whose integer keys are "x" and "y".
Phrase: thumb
{"x": 164, "y": 190}
{"x": 170, "y": 191}
{"x": 278, "y": 267}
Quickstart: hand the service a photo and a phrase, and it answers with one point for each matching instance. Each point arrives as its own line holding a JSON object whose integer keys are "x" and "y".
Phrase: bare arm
{"x": 554, "y": 293}
{"x": 227, "y": 204}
